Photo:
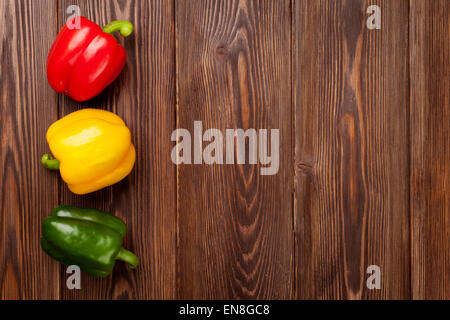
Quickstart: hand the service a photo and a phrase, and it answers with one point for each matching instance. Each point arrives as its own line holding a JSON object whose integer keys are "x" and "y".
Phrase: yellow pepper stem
{"x": 50, "y": 162}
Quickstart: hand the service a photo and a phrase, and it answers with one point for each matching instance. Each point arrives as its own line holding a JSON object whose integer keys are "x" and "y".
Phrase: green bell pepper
{"x": 89, "y": 238}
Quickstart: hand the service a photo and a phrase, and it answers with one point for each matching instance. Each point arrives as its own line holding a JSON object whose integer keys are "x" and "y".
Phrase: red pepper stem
{"x": 125, "y": 27}
{"x": 128, "y": 257}
{"x": 49, "y": 162}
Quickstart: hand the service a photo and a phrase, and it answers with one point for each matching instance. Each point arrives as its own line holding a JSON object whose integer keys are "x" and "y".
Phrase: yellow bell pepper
{"x": 92, "y": 149}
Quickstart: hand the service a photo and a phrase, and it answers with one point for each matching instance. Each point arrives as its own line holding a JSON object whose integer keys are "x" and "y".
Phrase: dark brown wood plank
{"x": 352, "y": 167}
{"x": 144, "y": 96}
{"x": 430, "y": 151}
{"x": 235, "y": 225}
{"x": 27, "y": 191}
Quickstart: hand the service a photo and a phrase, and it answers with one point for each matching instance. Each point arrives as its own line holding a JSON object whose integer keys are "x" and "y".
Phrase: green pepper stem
{"x": 49, "y": 162}
{"x": 128, "y": 257}
{"x": 125, "y": 27}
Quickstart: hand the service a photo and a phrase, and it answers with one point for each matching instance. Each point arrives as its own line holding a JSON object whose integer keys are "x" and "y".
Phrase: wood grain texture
{"x": 430, "y": 148}
{"x": 27, "y": 108}
{"x": 364, "y": 169}
{"x": 144, "y": 96}
{"x": 351, "y": 149}
{"x": 235, "y": 225}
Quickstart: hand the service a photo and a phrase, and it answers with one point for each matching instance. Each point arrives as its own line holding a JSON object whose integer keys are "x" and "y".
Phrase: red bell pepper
{"x": 84, "y": 61}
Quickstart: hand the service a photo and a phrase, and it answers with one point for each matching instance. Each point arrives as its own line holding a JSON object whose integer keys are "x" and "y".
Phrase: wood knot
{"x": 221, "y": 50}
{"x": 304, "y": 167}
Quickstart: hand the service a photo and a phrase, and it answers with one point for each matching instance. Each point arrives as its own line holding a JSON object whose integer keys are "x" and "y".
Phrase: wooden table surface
{"x": 364, "y": 173}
